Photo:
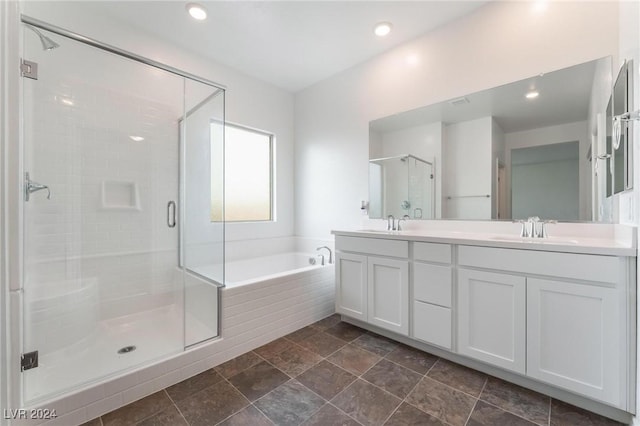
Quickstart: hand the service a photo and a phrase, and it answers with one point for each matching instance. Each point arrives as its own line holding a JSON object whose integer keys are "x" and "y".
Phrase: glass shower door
{"x": 202, "y": 248}
{"x": 102, "y": 288}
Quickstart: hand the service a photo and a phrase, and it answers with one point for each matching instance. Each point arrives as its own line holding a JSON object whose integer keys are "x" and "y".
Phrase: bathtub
{"x": 254, "y": 270}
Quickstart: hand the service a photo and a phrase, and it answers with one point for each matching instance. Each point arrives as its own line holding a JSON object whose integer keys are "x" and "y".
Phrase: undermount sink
{"x": 546, "y": 240}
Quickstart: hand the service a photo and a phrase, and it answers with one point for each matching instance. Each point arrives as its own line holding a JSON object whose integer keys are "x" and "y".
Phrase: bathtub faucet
{"x": 330, "y": 253}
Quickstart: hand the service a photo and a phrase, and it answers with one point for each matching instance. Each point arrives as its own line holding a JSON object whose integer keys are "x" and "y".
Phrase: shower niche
{"x": 401, "y": 185}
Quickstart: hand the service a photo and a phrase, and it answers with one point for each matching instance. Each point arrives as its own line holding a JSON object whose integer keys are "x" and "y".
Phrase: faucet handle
{"x": 543, "y": 228}
{"x": 524, "y": 230}
{"x": 405, "y": 218}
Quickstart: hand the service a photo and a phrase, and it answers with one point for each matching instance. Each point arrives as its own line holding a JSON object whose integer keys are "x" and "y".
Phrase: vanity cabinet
{"x": 370, "y": 287}
{"x": 559, "y": 318}
{"x": 492, "y": 318}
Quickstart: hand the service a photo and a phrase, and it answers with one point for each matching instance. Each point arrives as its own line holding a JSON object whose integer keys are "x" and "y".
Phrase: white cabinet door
{"x": 574, "y": 334}
{"x": 388, "y": 281}
{"x": 351, "y": 285}
{"x": 491, "y": 309}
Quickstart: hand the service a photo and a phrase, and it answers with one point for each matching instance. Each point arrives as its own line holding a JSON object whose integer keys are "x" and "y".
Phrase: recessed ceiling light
{"x": 66, "y": 101}
{"x": 197, "y": 11}
{"x": 136, "y": 138}
{"x": 382, "y": 29}
{"x": 532, "y": 95}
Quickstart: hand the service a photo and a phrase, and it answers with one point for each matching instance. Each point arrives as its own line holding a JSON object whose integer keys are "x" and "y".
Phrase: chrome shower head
{"x": 47, "y": 43}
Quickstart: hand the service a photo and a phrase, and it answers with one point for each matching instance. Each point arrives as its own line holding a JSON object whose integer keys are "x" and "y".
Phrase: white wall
{"x": 466, "y": 176}
{"x": 557, "y": 134}
{"x": 499, "y": 43}
{"x": 248, "y": 101}
{"x": 630, "y": 49}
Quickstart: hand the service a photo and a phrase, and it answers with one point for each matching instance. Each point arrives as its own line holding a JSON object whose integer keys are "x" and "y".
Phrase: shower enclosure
{"x": 401, "y": 185}
{"x": 117, "y": 159}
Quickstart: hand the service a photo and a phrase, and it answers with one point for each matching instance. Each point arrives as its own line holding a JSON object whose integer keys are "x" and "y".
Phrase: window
{"x": 248, "y": 176}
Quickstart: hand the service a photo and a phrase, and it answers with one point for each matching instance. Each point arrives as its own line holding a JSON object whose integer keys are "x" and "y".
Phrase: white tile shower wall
{"x": 116, "y": 254}
{"x": 252, "y": 315}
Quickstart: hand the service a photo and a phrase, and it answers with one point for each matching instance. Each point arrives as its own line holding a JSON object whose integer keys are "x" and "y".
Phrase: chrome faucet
{"x": 533, "y": 227}
{"x": 533, "y": 222}
{"x": 405, "y": 217}
{"x": 543, "y": 228}
{"x": 330, "y": 254}
{"x": 391, "y": 226}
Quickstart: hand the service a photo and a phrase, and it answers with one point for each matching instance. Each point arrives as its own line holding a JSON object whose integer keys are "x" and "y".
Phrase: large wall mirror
{"x": 535, "y": 147}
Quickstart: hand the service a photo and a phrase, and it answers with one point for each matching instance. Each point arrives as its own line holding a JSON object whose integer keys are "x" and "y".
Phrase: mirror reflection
{"x": 514, "y": 151}
{"x": 401, "y": 186}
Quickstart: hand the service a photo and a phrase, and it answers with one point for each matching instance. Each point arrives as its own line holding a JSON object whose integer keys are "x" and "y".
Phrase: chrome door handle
{"x": 171, "y": 214}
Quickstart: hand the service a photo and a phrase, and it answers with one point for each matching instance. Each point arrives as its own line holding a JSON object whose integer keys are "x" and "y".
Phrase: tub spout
{"x": 330, "y": 253}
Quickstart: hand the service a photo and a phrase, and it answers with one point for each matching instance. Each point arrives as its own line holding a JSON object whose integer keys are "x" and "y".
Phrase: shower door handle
{"x": 171, "y": 214}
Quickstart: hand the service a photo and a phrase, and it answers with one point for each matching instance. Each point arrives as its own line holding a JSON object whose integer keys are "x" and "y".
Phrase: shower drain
{"x": 127, "y": 349}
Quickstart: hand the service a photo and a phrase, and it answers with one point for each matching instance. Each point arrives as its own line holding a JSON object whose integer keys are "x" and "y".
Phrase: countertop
{"x": 564, "y": 244}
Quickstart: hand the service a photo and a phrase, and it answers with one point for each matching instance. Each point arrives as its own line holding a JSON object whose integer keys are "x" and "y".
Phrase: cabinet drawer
{"x": 432, "y": 324}
{"x": 588, "y": 267}
{"x": 432, "y": 252}
{"x": 432, "y": 284}
{"x": 377, "y": 246}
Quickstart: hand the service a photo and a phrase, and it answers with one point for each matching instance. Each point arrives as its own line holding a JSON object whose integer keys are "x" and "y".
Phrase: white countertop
{"x": 599, "y": 244}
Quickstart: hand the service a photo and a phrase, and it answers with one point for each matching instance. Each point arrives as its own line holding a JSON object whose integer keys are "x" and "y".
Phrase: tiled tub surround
{"x": 251, "y": 316}
{"x": 504, "y": 305}
{"x": 333, "y": 373}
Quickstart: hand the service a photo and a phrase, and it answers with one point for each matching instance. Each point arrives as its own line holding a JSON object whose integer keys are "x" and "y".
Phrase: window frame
{"x": 272, "y": 171}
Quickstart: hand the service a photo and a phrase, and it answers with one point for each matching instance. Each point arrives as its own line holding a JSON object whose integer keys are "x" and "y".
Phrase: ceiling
{"x": 564, "y": 98}
{"x": 291, "y": 44}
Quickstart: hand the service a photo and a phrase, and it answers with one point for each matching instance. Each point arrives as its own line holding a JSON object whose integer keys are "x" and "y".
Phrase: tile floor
{"x": 332, "y": 373}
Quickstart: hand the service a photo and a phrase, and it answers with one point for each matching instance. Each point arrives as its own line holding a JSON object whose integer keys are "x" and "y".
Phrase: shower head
{"x": 47, "y": 43}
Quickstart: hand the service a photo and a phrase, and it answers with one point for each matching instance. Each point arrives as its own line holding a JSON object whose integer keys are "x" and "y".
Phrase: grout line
{"x": 404, "y": 400}
{"x": 155, "y": 412}
{"x": 486, "y": 379}
{"x": 237, "y": 390}
{"x": 471, "y": 412}
{"x": 240, "y": 371}
{"x": 176, "y": 405}
{"x": 393, "y": 411}
{"x": 549, "y": 420}
{"x": 261, "y": 412}
{"x": 510, "y": 412}
{"x": 344, "y": 412}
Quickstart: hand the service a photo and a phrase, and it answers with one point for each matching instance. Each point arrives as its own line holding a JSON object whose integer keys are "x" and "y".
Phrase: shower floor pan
{"x": 155, "y": 334}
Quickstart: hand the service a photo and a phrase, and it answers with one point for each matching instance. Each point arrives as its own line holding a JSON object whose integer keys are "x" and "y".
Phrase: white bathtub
{"x": 257, "y": 269}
